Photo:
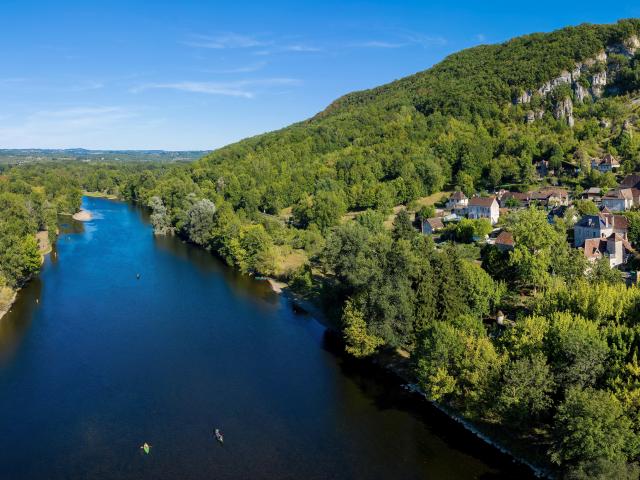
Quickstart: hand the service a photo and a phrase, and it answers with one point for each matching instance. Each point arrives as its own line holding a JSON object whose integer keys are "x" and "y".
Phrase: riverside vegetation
{"x": 30, "y": 202}
{"x": 310, "y": 204}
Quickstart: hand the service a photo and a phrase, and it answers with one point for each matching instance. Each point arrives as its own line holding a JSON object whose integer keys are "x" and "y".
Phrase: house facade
{"x": 599, "y": 226}
{"x": 431, "y": 225}
{"x": 457, "y": 200}
{"x": 618, "y": 200}
{"x": 484, "y": 207}
{"x": 608, "y": 163}
{"x": 614, "y": 248}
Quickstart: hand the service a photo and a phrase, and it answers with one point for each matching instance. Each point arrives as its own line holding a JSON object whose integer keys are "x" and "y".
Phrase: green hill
{"x": 456, "y": 123}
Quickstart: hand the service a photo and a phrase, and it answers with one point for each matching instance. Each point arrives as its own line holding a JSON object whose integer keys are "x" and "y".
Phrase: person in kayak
{"x": 146, "y": 448}
{"x": 219, "y": 435}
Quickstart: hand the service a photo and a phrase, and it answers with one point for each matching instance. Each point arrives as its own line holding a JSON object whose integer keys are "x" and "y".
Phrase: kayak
{"x": 219, "y": 436}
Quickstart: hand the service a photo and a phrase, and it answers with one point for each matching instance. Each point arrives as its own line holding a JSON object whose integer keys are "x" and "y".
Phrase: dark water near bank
{"x": 104, "y": 362}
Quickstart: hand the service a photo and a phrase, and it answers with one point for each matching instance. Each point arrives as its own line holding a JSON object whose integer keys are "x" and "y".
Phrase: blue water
{"x": 94, "y": 362}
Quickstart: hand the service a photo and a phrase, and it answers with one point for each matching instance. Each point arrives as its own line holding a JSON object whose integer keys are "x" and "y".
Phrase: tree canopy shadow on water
{"x": 385, "y": 390}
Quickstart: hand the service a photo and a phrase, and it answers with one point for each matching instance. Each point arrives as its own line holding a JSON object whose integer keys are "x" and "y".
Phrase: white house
{"x": 484, "y": 207}
{"x": 457, "y": 200}
{"x": 618, "y": 200}
{"x": 614, "y": 248}
{"x": 599, "y": 226}
{"x": 608, "y": 163}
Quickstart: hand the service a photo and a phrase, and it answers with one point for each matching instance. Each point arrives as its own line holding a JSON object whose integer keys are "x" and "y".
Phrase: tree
{"x": 576, "y": 350}
{"x": 200, "y": 221}
{"x": 257, "y": 250}
{"x": 159, "y": 219}
{"x": 535, "y": 244}
{"x": 601, "y": 272}
{"x": 373, "y": 220}
{"x": 586, "y": 207}
{"x": 526, "y": 387}
{"x": 590, "y": 427}
{"x": 427, "y": 211}
{"x": 458, "y": 362}
{"x": 402, "y": 226}
{"x": 327, "y": 209}
{"x": 359, "y": 342}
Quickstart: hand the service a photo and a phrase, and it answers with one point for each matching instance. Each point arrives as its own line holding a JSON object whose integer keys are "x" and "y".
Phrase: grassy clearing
{"x": 289, "y": 260}
{"x": 108, "y": 196}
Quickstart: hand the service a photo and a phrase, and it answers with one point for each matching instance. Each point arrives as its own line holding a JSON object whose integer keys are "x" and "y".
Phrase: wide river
{"x": 94, "y": 362}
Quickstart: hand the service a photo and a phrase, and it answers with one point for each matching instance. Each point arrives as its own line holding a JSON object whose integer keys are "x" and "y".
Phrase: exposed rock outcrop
{"x": 598, "y": 83}
{"x": 564, "y": 109}
{"x": 524, "y": 98}
{"x": 580, "y": 92}
{"x": 627, "y": 48}
{"x": 531, "y": 116}
{"x": 551, "y": 85}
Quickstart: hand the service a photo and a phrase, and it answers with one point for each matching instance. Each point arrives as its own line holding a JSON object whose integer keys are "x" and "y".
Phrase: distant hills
{"x": 81, "y": 154}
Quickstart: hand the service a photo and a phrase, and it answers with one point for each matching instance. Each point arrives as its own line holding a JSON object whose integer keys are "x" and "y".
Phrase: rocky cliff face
{"x": 564, "y": 109}
{"x": 598, "y": 81}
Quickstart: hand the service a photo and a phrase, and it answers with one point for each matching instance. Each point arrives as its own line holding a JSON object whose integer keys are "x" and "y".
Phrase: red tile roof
{"x": 482, "y": 201}
{"x": 505, "y": 238}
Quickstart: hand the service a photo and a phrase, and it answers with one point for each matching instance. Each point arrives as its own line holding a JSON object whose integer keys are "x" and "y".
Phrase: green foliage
{"x": 455, "y": 126}
{"x": 590, "y": 426}
{"x": 30, "y": 200}
{"x": 467, "y": 230}
{"x": 458, "y": 363}
{"x": 586, "y": 207}
{"x": 359, "y": 342}
{"x": 525, "y": 389}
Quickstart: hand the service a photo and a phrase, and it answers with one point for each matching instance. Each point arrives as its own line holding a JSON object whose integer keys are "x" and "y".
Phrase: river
{"x": 94, "y": 362}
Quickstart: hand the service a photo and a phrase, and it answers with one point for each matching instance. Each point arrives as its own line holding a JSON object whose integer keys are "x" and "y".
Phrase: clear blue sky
{"x": 193, "y": 74}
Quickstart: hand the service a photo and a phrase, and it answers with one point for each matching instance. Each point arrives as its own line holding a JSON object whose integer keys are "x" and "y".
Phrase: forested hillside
{"x": 455, "y": 123}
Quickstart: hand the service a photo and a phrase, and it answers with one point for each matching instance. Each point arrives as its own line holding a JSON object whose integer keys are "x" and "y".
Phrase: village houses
{"x": 599, "y": 226}
{"x": 615, "y": 248}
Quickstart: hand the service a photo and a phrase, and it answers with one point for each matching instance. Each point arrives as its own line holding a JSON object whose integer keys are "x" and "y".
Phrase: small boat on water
{"x": 146, "y": 448}
{"x": 219, "y": 435}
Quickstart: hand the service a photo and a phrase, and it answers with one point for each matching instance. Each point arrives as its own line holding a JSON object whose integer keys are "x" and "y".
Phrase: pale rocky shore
{"x": 82, "y": 216}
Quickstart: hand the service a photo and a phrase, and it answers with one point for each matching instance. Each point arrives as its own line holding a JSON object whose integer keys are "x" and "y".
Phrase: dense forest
{"x": 313, "y": 203}
{"x": 30, "y": 202}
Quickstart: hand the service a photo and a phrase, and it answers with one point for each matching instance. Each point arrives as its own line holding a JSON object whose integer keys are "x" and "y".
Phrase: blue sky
{"x": 200, "y": 74}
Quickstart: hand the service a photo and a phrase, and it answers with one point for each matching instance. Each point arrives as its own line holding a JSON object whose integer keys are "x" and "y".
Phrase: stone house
{"x": 431, "y": 225}
{"x": 608, "y": 163}
{"x": 615, "y": 248}
{"x": 504, "y": 241}
{"x": 599, "y": 226}
{"x": 618, "y": 200}
{"x": 457, "y": 200}
{"x": 484, "y": 207}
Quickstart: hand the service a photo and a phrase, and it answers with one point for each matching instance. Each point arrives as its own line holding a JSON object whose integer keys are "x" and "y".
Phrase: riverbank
{"x": 398, "y": 363}
{"x": 7, "y": 297}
